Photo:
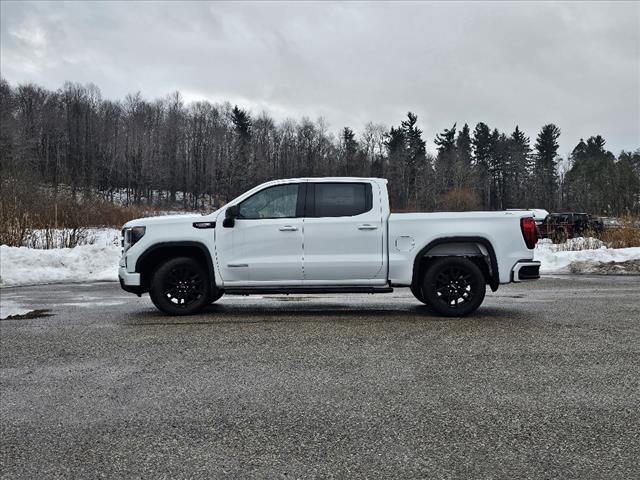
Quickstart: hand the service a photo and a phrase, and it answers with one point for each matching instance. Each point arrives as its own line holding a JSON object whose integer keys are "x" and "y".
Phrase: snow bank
{"x": 94, "y": 259}
{"x": 85, "y": 263}
{"x": 593, "y": 258}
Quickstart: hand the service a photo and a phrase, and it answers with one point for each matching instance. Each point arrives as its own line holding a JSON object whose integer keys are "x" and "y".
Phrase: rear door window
{"x": 339, "y": 199}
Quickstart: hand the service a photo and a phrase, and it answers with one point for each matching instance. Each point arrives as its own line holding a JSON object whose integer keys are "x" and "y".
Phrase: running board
{"x": 294, "y": 290}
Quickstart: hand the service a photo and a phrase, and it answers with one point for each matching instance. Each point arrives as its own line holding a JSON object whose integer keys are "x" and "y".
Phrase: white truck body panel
{"x": 421, "y": 229}
{"x": 264, "y": 252}
{"x": 369, "y": 249}
{"x": 347, "y": 250}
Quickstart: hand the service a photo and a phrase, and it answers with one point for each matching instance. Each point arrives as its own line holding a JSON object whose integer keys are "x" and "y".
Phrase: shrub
{"x": 579, "y": 243}
{"x": 32, "y": 214}
{"x": 626, "y": 235}
{"x": 460, "y": 199}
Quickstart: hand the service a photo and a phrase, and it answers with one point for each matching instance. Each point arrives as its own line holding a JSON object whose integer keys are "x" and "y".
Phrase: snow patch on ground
{"x": 95, "y": 259}
{"x": 9, "y": 308}
{"x": 586, "y": 255}
{"x": 93, "y": 304}
{"x": 572, "y": 244}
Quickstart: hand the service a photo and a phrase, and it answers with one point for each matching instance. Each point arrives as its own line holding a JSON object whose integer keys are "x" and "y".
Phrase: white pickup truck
{"x": 325, "y": 235}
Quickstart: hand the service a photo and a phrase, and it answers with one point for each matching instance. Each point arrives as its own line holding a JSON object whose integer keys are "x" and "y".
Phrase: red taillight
{"x": 529, "y": 232}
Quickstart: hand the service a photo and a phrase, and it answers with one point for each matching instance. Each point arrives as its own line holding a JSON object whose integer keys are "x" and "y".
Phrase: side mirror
{"x": 230, "y": 216}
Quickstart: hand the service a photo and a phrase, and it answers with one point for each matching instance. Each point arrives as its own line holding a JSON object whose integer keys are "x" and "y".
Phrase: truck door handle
{"x": 367, "y": 226}
{"x": 288, "y": 228}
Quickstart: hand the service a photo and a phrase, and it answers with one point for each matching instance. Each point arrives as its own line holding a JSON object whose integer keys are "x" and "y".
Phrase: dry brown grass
{"x": 627, "y": 235}
{"x": 25, "y": 208}
{"x": 624, "y": 236}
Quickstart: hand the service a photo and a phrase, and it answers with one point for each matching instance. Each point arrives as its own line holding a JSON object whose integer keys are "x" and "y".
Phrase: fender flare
{"x": 495, "y": 275}
{"x": 180, "y": 244}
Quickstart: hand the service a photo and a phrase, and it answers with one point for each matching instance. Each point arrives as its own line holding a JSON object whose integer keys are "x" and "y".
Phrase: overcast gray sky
{"x": 573, "y": 64}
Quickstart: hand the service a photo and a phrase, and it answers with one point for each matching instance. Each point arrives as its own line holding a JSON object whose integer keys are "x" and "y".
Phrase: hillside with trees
{"x": 167, "y": 152}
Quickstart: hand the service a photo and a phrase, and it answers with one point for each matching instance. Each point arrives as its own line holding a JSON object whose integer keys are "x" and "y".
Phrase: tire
{"x": 417, "y": 292}
{"x": 454, "y": 286}
{"x": 180, "y": 286}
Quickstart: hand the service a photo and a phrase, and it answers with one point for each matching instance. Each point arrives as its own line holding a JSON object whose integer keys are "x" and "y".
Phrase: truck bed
{"x": 411, "y": 232}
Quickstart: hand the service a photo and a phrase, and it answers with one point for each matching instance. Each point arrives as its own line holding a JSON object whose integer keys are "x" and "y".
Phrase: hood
{"x": 165, "y": 220}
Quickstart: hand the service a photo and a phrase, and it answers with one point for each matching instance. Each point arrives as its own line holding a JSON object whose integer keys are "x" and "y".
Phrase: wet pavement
{"x": 542, "y": 382}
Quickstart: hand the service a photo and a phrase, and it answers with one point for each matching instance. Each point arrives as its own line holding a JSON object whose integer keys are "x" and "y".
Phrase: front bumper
{"x": 525, "y": 270}
{"x": 130, "y": 282}
{"x": 129, "y": 279}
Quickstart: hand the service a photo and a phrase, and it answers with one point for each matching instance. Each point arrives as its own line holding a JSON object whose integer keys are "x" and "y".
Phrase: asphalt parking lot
{"x": 543, "y": 382}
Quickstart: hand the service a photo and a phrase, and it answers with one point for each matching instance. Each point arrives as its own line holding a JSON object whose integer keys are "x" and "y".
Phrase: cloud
{"x": 575, "y": 64}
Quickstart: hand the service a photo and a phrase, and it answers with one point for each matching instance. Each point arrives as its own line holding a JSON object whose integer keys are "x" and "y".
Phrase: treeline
{"x": 168, "y": 152}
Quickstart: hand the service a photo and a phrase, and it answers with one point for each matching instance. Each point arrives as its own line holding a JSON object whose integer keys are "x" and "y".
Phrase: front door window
{"x": 279, "y": 201}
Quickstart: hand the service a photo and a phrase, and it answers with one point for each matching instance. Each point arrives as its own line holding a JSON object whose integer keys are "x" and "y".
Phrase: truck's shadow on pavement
{"x": 292, "y": 313}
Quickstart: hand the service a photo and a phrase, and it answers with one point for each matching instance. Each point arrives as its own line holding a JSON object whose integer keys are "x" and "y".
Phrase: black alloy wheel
{"x": 180, "y": 287}
{"x": 454, "y": 286}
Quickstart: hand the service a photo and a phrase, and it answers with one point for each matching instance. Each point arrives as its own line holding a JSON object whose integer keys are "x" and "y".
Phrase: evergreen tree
{"x": 592, "y": 182}
{"x": 7, "y": 129}
{"x": 456, "y": 177}
{"x": 481, "y": 143}
{"x": 633, "y": 158}
{"x": 446, "y": 141}
{"x": 576, "y": 179}
{"x": 242, "y": 122}
{"x": 242, "y": 161}
{"x": 396, "y": 152}
{"x": 463, "y": 147}
{"x": 518, "y": 168}
{"x": 626, "y": 195}
{"x": 415, "y": 170}
{"x": 462, "y": 171}
{"x": 445, "y": 160}
{"x": 350, "y": 164}
{"x": 498, "y": 166}
{"x": 545, "y": 167}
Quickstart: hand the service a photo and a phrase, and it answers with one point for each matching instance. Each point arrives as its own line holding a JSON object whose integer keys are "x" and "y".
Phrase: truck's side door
{"x": 264, "y": 246}
{"x": 343, "y": 234}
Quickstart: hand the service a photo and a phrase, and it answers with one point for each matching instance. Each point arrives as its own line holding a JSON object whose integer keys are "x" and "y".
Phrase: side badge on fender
{"x": 204, "y": 224}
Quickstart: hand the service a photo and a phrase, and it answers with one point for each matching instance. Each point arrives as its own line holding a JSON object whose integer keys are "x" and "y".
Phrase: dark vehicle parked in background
{"x": 597, "y": 225}
{"x": 609, "y": 222}
{"x": 539, "y": 215}
{"x": 561, "y": 226}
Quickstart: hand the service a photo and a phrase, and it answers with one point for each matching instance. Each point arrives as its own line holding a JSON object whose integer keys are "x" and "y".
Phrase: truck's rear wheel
{"x": 180, "y": 286}
{"x": 454, "y": 286}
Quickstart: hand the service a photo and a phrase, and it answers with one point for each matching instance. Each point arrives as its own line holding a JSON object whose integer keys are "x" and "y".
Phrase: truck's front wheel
{"x": 454, "y": 286}
{"x": 180, "y": 286}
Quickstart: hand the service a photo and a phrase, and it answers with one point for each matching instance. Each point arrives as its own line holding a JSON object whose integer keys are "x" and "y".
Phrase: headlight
{"x": 130, "y": 236}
